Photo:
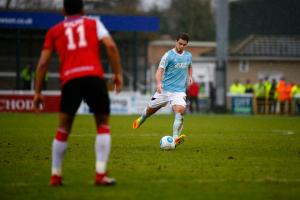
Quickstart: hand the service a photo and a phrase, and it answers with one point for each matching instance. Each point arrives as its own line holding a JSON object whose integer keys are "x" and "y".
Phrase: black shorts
{"x": 91, "y": 89}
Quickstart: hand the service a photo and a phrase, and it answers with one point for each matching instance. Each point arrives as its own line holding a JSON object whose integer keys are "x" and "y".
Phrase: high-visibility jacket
{"x": 295, "y": 90}
{"x": 26, "y": 74}
{"x": 259, "y": 90}
{"x": 281, "y": 91}
{"x": 248, "y": 88}
{"x": 237, "y": 89}
{"x": 288, "y": 91}
{"x": 273, "y": 91}
{"x": 268, "y": 86}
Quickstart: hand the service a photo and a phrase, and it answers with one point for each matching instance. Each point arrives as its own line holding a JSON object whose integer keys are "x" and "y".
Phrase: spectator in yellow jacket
{"x": 237, "y": 88}
{"x": 248, "y": 86}
{"x": 27, "y": 76}
{"x": 295, "y": 96}
{"x": 260, "y": 96}
{"x": 272, "y": 96}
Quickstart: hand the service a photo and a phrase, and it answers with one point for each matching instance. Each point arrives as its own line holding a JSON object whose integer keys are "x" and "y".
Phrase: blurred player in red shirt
{"x": 76, "y": 41}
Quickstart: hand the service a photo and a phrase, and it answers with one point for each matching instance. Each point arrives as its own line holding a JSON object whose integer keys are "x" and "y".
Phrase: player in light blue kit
{"x": 172, "y": 76}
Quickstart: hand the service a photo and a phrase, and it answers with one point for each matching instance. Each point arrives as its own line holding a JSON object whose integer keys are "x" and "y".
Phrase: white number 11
{"x": 82, "y": 40}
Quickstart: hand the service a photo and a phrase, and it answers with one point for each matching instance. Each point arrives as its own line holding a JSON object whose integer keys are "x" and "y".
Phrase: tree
{"x": 268, "y": 17}
{"x": 113, "y": 6}
{"x": 191, "y": 16}
{"x": 32, "y": 4}
{"x": 92, "y": 6}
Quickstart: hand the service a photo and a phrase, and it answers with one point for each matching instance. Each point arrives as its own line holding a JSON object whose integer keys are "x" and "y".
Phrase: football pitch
{"x": 223, "y": 157}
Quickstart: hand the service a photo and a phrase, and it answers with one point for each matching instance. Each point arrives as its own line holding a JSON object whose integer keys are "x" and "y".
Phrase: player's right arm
{"x": 160, "y": 72}
{"x": 114, "y": 58}
{"x": 158, "y": 77}
{"x": 113, "y": 54}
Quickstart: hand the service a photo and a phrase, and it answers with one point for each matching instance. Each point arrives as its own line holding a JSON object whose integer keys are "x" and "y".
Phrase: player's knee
{"x": 179, "y": 109}
{"x": 101, "y": 119}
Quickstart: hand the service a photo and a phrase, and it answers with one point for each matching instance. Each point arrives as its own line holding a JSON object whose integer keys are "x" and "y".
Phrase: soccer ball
{"x": 167, "y": 143}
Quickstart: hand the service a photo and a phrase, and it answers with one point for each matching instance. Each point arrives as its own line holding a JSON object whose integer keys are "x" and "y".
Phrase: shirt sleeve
{"x": 101, "y": 30}
{"x": 49, "y": 40}
{"x": 164, "y": 61}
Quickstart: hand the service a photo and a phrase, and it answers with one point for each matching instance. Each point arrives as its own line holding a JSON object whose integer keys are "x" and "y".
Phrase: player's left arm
{"x": 158, "y": 77}
{"x": 190, "y": 73}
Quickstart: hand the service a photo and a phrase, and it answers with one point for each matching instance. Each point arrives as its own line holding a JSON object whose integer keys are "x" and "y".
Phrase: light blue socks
{"x": 178, "y": 125}
{"x": 144, "y": 115}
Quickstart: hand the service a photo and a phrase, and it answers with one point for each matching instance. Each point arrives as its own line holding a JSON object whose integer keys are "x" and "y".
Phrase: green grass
{"x": 224, "y": 157}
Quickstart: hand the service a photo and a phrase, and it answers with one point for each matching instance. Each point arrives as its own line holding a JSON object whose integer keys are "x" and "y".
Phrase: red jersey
{"x": 76, "y": 41}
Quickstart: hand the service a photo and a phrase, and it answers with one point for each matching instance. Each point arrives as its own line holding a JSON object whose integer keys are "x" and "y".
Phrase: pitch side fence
{"x": 127, "y": 103}
{"x": 247, "y": 104}
{"x": 124, "y": 103}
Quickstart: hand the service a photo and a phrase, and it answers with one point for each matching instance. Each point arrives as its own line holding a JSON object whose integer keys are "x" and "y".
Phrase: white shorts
{"x": 162, "y": 99}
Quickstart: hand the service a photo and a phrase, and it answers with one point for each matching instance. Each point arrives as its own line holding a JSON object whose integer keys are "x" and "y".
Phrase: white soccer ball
{"x": 167, "y": 143}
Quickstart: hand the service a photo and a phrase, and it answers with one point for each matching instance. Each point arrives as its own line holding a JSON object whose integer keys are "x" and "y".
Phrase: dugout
{"x": 22, "y": 36}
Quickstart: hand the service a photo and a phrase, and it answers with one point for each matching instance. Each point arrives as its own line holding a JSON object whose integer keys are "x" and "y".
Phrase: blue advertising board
{"x": 242, "y": 104}
{"x": 38, "y": 20}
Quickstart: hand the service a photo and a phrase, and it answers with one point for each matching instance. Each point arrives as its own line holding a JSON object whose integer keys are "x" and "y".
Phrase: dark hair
{"x": 73, "y": 7}
{"x": 183, "y": 36}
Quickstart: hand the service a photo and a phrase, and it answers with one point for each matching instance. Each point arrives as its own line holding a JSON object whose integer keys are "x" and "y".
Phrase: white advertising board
{"x": 126, "y": 103}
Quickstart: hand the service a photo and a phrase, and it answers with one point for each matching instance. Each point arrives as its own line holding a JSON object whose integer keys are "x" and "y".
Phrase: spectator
{"x": 212, "y": 96}
{"x": 248, "y": 87}
{"x": 267, "y": 85}
{"x": 237, "y": 88}
{"x": 272, "y": 97}
{"x": 45, "y": 82}
{"x": 295, "y": 96}
{"x": 193, "y": 92}
{"x": 288, "y": 91}
{"x": 282, "y": 95}
{"x": 260, "y": 92}
{"x": 27, "y": 77}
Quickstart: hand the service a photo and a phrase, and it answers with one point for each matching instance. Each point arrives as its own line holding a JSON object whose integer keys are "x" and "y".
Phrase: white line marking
{"x": 117, "y": 135}
{"x": 284, "y": 132}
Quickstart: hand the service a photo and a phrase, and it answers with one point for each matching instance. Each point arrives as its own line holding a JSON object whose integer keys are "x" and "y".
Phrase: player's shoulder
{"x": 87, "y": 20}
{"x": 90, "y": 19}
{"x": 171, "y": 53}
{"x": 188, "y": 53}
{"x": 93, "y": 22}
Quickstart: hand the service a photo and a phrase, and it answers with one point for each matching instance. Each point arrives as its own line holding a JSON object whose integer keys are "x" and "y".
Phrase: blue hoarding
{"x": 38, "y": 20}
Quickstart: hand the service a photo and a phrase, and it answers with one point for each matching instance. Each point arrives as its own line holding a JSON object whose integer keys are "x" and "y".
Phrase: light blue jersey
{"x": 176, "y": 70}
